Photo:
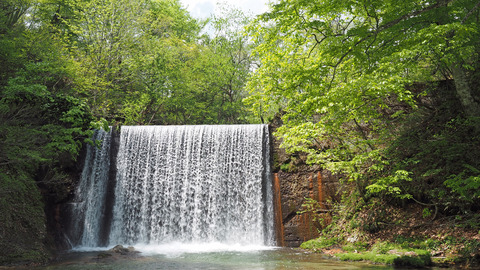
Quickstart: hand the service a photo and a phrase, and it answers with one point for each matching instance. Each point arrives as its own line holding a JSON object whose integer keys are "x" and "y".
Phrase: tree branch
{"x": 409, "y": 15}
{"x": 360, "y": 129}
{"x": 428, "y": 204}
{"x": 471, "y": 12}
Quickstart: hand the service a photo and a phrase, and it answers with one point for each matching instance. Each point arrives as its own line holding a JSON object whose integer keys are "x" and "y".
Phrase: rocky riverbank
{"x": 415, "y": 243}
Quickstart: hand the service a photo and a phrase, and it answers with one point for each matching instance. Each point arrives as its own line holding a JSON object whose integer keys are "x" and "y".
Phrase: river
{"x": 209, "y": 258}
{"x": 273, "y": 259}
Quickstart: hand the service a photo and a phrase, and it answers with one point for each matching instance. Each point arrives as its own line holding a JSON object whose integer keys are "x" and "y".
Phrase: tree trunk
{"x": 464, "y": 93}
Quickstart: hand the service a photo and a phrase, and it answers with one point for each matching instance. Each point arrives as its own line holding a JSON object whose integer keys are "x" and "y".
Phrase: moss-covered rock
{"x": 421, "y": 260}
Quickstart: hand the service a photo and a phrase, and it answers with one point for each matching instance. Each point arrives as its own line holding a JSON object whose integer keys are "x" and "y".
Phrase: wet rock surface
{"x": 118, "y": 252}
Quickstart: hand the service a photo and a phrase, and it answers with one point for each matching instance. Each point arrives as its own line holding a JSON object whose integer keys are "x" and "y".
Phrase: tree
{"x": 185, "y": 78}
{"x": 42, "y": 128}
{"x": 10, "y": 28}
{"x": 230, "y": 63}
{"x": 339, "y": 69}
{"x": 11, "y": 12}
{"x": 162, "y": 65}
{"x": 103, "y": 36}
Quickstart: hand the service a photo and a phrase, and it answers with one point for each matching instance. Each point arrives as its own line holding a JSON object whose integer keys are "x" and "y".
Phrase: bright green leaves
{"x": 466, "y": 183}
{"x": 39, "y": 119}
{"x": 340, "y": 74}
{"x": 144, "y": 62}
{"x": 38, "y": 126}
{"x": 106, "y": 35}
{"x": 168, "y": 18}
{"x": 322, "y": 59}
{"x": 391, "y": 185}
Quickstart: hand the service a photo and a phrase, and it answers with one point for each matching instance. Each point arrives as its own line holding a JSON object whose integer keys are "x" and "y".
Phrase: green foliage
{"x": 11, "y": 13}
{"x": 389, "y": 253}
{"x": 49, "y": 124}
{"x": 382, "y": 247}
{"x": 145, "y": 62}
{"x": 372, "y": 257}
{"x": 361, "y": 89}
{"x": 426, "y": 213}
{"x": 357, "y": 246}
{"x": 402, "y": 251}
{"x": 464, "y": 249}
{"x": 465, "y": 184}
{"x": 389, "y": 185}
{"x": 438, "y": 147}
{"x": 169, "y": 18}
{"x": 42, "y": 127}
{"x": 421, "y": 260}
{"x": 418, "y": 243}
{"x": 289, "y": 165}
{"x": 321, "y": 243}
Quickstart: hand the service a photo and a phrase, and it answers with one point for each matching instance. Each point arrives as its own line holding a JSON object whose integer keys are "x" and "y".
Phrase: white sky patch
{"x": 202, "y": 9}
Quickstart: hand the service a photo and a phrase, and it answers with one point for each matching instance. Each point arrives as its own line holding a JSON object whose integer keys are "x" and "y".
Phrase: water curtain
{"x": 189, "y": 184}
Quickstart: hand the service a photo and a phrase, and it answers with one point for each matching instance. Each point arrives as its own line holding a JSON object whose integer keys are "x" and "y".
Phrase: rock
{"x": 352, "y": 239}
{"x": 394, "y": 251}
{"x": 122, "y": 250}
{"x": 118, "y": 253}
{"x": 400, "y": 253}
{"x": 411, "y": 254}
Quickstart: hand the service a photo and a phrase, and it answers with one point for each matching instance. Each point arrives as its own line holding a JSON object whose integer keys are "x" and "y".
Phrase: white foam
{"x": 176, "y": 248}
{"x": 89, "y": 249}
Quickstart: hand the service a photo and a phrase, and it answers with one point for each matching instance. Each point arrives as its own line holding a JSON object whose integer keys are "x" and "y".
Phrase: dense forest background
{"x": 383, "y": 93}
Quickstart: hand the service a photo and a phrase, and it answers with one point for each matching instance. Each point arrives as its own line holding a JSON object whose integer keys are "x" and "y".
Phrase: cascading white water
{"x": 190, "y": 184}
{"x": 89, "y": 202}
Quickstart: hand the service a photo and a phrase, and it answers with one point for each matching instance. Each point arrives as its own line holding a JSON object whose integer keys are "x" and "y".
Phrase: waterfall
{"x": 90, "y": 196}
{"x": 189, "y": 184}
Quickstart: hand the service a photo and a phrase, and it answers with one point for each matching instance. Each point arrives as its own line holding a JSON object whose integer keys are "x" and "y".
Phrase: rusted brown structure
{"x": 297, "y": 181}
{"x": 277, "y": 202}
{"x": 296, "y": 226}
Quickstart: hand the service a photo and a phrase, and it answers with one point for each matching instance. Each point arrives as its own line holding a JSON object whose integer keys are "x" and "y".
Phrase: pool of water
{"x": 178, "y": 257}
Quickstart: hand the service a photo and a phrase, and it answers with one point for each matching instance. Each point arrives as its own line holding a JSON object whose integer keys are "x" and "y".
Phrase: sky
{"x": 202, "y": 9}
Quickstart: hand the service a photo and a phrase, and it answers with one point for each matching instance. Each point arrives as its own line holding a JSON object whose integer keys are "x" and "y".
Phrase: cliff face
{"x": 30, "y": 211}
{"x": 22, "y": 220}
{"x": 301, "y": 186}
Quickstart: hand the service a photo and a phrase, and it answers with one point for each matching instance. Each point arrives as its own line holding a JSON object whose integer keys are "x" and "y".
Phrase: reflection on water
{"x": 271, "y": 259}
